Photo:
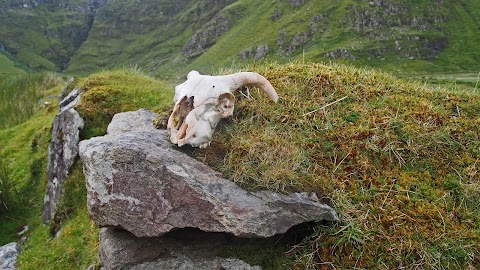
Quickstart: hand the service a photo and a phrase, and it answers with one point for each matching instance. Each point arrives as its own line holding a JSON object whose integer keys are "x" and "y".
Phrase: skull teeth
{"x": 182, "y": 132}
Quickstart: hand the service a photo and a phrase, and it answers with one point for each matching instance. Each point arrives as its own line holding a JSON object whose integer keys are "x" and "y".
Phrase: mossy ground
{"x": 397, "y": 159}
{"x": 106, "y": 93}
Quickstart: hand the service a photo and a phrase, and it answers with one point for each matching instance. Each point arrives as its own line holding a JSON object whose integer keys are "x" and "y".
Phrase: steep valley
{"x": 168, "y": 37}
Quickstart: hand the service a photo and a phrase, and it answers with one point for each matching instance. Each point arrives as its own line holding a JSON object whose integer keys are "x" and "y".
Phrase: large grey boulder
{"x": 62, "y": 151}
{"x": 8, "y": 256}
{"x": 186, "y": 250}
{"x": 138, "y": 181}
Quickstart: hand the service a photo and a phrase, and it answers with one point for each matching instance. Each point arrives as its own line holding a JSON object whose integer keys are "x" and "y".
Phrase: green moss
{"x": 391, "y": 157}
{"x": 106, "y": 93}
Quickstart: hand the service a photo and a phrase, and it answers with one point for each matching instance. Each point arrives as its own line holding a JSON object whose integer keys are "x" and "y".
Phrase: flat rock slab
{"x": 137, "y": 181}
{"x": 62, "y": 152}
{"x": 185, "y": 250}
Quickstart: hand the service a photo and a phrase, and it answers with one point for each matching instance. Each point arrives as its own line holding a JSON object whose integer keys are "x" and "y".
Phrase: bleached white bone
{"x": 203, "y": 100}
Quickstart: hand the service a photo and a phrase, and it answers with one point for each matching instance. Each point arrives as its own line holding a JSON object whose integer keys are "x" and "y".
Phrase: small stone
{"x": 8, "y": 256}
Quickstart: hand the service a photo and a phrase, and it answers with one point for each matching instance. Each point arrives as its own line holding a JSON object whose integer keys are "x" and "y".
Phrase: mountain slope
{"x": 44, "y": 34}
{"x": 424, "y": 35}
{"x": 167, "y": 37}
{"x": 148, "y": 33}
{"x": 9, "y": 66}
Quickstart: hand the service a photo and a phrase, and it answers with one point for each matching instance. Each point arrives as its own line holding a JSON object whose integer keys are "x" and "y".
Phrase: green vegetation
{"x": 21, "y": 96}
{"x": 400, "y": 36}
{"x": 23, "y": 160}
{"x": 399, "y": 160}
{"x": 172, "y": 37}
{"x": 107, "y": 93}
{"x": 9, "y": 66}
{"x": 45, "y": 34}
{"x": 146, "y": 33}
{"x": 76, "y": 244}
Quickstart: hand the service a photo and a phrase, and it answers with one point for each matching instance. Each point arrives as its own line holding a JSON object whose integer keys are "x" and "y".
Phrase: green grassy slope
{"x": 168, "y": 37}
{"x": 398, "y": 160}
{"x": 23, "y": 160}
{"x": 401, "y": 36}
{"x": 147, "y": 33}
{"x": 45, "y": 34}
{"x": 103, "y": 95}
{"x": 24, "y": 136}
{"x": 9, "y": 66}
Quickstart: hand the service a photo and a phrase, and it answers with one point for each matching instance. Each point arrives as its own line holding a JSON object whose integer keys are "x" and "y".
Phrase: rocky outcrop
{"x": 383, "y": 19}
{"x": 288, "y": 45}
{"x": 297, "y": 3}
{"x": 340, "y": 54}
{"x": 137, "y": 181}
{"x": 8, "y": 256}
{"x": 181, "y": 250}
{"x": 257, "y": 53}
{"x": 62, "y": 151}
{"x": 207, "y": 36}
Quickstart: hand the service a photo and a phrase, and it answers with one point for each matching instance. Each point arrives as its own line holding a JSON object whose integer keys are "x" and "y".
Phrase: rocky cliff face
{"x": 406, "y": 30}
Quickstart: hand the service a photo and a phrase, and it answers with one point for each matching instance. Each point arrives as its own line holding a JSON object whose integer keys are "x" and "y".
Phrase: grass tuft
{"x": 107, "y": 93}
{"x": 21, "y": 96}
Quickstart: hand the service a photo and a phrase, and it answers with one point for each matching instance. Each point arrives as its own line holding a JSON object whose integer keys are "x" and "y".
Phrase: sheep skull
{"x": 203, "y": 100}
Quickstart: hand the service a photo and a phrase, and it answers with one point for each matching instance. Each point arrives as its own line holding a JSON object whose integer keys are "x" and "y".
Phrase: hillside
{"x": 397, "y": 159}
{"x": 396, "y": 35}
{"x": 170, "y": 37}
{"x": 9, "y": 66}
{"x": 45, "y": 34}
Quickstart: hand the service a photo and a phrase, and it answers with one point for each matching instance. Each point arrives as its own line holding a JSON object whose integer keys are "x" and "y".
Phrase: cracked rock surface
{"x": 137, "y": 181}
{"x": 62, "y": 151}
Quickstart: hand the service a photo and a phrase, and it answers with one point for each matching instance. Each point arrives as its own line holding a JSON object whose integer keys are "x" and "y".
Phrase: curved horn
{"x": 240, "y": 79}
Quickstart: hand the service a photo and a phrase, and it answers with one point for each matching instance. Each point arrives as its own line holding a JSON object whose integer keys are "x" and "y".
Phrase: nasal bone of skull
{"x": 200, "y": 124}
{"x": 182, "y": 132}
{"x": 188, "y": 114}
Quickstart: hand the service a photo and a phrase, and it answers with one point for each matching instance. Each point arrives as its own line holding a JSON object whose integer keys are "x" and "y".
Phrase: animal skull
{"x": 203, "y": 100}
